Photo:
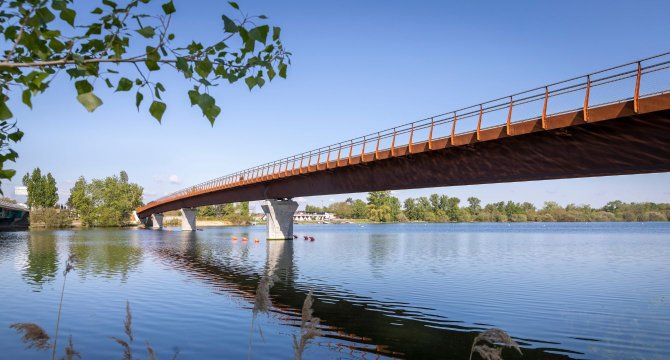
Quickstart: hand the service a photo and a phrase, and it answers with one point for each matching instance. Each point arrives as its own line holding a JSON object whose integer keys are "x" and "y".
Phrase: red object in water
{"x": 306, "y": 237}
{"x": 311, "y": 238}
{"x": 295, "y": 236}
{"x": 256, "y": 241}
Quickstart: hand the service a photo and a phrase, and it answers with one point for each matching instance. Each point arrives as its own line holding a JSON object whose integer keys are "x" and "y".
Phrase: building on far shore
{"x": 305, "y": 216}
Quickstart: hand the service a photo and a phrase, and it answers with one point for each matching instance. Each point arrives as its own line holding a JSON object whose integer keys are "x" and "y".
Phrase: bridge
{"x": 13, "y": 216}
{"x": 614, "y": 121}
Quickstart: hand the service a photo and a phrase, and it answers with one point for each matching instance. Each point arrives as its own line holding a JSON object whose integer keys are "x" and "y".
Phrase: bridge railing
{"x": 626, "y": 82}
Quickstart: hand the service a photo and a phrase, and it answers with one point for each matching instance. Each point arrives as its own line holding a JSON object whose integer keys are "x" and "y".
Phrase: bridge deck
{"x": 614, "y": 140}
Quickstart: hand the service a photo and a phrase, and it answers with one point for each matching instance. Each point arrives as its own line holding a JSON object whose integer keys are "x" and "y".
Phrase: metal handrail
{"x": 287, "y": 166}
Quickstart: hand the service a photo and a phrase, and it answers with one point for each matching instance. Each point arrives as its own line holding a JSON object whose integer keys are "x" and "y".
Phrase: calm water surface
{"x": 581, "y": 291}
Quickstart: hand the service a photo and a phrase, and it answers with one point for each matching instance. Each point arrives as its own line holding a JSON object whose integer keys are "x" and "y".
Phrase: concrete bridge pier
{"x": 188, "y": 219}
{"x": 157, "y": 221}
{"x": 279, "y": 213}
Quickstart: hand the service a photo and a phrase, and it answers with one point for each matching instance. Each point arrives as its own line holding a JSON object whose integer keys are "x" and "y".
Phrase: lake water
{"x": 582, "y": 291}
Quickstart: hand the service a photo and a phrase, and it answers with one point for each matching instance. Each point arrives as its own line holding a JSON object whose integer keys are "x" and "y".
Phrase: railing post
{"x": 544, "y": 108}
{"x": 328, "y": 158}
{"x": 586, "y": 98}
{"x": 430, "y": 134}
{"x": 309, "y": 161}
{"x": 339, "y": 151}
{"x": 302, "y": 157}
{"x": 274, "y": 166}
{"x": 636, "y": 97}
{"x": 351, "y": 149}
{"x": 453, "y": 130}
{"x": 293, "y": 166}
{"x": 479, "y": 122}
{"x": 393, "y": 144}
{"x": 377, "y": 147}
{"x": 411, "y": 134}
{"x": 318, "y": 159}
{"x": 509, "y": 116}
{"x": 363, "y": 151}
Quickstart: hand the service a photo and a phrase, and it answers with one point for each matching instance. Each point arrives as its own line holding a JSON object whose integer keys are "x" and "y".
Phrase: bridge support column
{"x": 279, "y": 214}
{"x": 157, "y": 221}
{"x": 188, "y": 219}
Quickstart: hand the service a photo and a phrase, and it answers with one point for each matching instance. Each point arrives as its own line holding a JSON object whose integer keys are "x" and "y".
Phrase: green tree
{"x": 45, "y": 38}
{"x": 42, "y": 189}
{"x": 359, "y": 209}
{"x": 314, "y": 209}
{"x": 474, "y": 205}
{"x": 383, "y": 207}
{"x": 105, "y": 202}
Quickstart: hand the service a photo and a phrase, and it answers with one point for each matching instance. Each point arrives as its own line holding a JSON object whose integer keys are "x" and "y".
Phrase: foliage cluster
{"x": 50, "y": 218}
{"x": 383, "y": 207}
{"x": 42, "y": 189}
{"x": 122, "y": 45}
{"x": 237, "y": 214}
{"x": 105, "y": 202}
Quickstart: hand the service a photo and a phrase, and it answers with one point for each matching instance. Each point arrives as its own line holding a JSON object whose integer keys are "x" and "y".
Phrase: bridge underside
{"x": 615, "y": 141}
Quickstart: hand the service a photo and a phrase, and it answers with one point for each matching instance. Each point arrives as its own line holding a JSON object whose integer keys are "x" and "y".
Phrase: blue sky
{"x": 357, "y": 67}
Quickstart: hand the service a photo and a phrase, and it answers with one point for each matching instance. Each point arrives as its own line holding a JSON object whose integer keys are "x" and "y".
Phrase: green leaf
{"x": 16, "y": 136}
{"x": 109, "y": 3}
{"x": 251, "y": 82}
{"x": 59, "y": 5}
{"x": 5, "y": 113}
{"x": 7, "y": 174}
{"x": 168, "y": 8}
{"x": 83, "y": 87}
{"x": 25, "y": 97}
{"x": 194, "y": 96}
{"x": 229, "y": 25}
{"x": 152, "y": 65}
{"x": 208, "y": 106}
{"x": 234, "y": 5}
{"x": 109, "y": 83}
{"x": 260, "y": 33}
{"x": 68, "y": 16}
{"x": 157, "y": 109}
{"x": 97, "y": 11}
{"x": 138, "y": 100}
{"x": 203, "y": 68}
{"x": 56, "y": 45}
{"x": 147, "y": 31}
{"x": 124, "y": 84}
{"x": 45, "y": 15}
{"x": 182, "y": 64}
{"x": 275, "y": 33}
{"x": 89, "y": 100}
{"x": 282, "y": 70}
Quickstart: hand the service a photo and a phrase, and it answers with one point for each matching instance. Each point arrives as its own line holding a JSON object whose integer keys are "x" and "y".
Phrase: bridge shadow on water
{"x": 353, "y": 323}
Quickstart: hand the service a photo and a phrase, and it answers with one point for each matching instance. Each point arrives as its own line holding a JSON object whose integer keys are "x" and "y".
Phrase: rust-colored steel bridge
{"x": 611, "y": 122}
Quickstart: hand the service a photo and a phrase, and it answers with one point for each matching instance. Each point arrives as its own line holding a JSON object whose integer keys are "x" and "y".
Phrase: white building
{"x": 303, "y": 216}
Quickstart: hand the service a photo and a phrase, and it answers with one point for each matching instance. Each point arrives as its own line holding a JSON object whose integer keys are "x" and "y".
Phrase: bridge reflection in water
{"x": 351, "y": 322}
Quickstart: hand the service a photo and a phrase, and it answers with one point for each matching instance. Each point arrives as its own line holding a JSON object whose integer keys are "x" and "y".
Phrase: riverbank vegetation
{"x": 234, "y": 214}
{"x": 382, "y": 206}
{"x": 105, "y": 202}
{"x": 42, "y": 200}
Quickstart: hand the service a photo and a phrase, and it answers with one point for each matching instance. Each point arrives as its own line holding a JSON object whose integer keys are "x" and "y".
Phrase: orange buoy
{"x": 256, "y": 240}
{"x": 234, "y": 238}
{"x": 244, "y": 239}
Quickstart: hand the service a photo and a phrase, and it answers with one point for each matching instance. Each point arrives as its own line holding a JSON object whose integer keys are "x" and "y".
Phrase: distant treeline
{"x": 383, "y": 207}
{"x": 237, "y": 214}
